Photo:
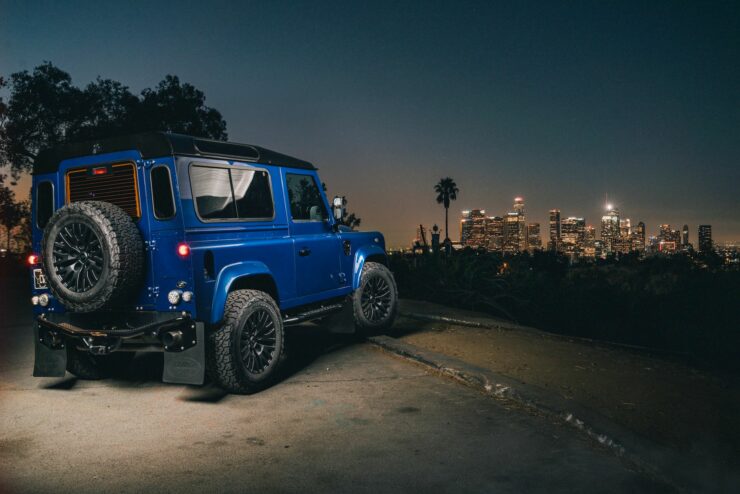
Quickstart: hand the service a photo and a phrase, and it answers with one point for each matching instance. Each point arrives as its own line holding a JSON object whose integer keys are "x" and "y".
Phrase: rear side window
{"x": 252, "y": 193}
{"x": 44, "y": 203}
{"x": 305, "y": 198}
{"x": 231, "y": 193}
{"x": 163, "y": 199}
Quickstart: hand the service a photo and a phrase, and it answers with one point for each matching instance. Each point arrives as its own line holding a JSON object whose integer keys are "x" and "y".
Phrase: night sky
{"x": 561, "y": 103}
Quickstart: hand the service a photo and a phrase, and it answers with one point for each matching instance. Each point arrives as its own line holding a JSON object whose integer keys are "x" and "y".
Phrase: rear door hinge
{"x": 150, "y": 245}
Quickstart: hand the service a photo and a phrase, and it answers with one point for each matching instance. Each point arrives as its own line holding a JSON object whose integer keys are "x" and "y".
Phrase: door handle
{"x": 304, "y": 252}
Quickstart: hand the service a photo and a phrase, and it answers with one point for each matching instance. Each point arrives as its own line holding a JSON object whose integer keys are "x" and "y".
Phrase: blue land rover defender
{"x": 204, "y": 250}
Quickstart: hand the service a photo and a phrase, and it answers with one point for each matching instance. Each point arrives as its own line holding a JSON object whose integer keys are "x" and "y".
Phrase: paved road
{"x": 348, "y": 419}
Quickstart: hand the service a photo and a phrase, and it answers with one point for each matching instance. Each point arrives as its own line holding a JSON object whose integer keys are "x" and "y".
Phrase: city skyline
{"x": 513, "y": 231}
{"x": 543, "y": 220}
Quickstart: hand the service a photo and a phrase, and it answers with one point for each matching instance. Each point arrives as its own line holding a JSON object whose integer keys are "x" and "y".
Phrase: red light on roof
{"x": 33, "y": 259}
{"x": 183, "y": 249}
{"x": 100, "y": 171}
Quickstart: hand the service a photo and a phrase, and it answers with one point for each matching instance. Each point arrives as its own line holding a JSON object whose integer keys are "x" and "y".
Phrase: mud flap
{"x": 48, "y": 362}
{"x": 342, "y": 322}
{"x": 188, "y": 366}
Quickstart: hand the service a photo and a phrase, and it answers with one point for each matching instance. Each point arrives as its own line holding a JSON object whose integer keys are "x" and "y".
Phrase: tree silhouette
{"x": 11, "y": 212}
{"x": 45, "y": 109}
{"x": 446, "y": 190}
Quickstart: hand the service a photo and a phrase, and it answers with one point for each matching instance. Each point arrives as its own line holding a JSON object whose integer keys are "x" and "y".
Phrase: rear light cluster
{"x": 33, "y": 259}
{"x": 183, "y": 249}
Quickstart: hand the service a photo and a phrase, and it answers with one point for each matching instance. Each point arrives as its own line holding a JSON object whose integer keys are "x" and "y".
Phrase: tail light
{"x": 183, "y": 249}
{"x": 33, "y": 259}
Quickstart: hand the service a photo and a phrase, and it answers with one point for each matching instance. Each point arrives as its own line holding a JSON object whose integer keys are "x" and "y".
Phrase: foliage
{"x": 679, "y": 304}
{"x": 46, "y": 109}
{"x": 11, "y": 212}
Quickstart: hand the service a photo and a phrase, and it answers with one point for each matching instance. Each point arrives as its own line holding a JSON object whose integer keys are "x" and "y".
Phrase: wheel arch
{"x": 239, "y": 276}
{"x": 369, "y": 253}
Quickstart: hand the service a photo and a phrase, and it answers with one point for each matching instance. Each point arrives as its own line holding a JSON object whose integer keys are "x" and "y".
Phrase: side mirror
{"x": 337, "y": 207}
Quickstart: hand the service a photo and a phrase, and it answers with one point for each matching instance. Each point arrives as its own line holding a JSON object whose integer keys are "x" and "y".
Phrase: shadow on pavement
{"x": 304, "y": 344}
{"x": 64, "y": 384}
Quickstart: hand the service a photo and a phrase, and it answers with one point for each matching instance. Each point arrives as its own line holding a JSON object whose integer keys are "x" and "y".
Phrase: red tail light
{"x": 183, "y": 249}
{"x": 33, "y": 259}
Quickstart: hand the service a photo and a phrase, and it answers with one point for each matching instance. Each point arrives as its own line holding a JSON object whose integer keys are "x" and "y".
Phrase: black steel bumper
{"x": 181, "y": 338}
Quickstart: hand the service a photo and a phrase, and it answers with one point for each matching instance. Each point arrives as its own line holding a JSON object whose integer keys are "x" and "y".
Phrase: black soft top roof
{"x": 159, "y": 144}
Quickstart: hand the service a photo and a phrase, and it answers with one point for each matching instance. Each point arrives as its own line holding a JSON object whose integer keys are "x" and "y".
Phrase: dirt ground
{"x": 657, "y": 397}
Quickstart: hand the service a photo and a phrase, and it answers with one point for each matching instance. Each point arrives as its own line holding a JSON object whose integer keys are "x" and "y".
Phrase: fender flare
{"x": 226, "y": 277}
{"x": 362, "y": 254}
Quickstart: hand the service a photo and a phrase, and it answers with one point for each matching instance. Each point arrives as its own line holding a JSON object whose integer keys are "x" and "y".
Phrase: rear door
{"x": 317, "y": 248}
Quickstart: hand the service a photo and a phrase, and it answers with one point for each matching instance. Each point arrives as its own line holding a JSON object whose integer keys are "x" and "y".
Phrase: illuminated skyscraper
{"x": 685, "y": 237}
{"x": 495, "y": 233}
{"x": 519, "y": 206}
{"x": 705, "y": 238}
{"x": 589, "y": 242}
{"x": 669, "y": 240}
{"x": 466, "y": 227}
{"x": 554, "y": 243}
{"x": 473, "y": 232}
{"x": 638, "y": 237}
{"x": 519, "y": 209}
{"x": 573, "y": 235}
{"x": 478, "y": 235}
{"x": 610, "y": 228}
{"x": 534, "y": 241}
{"x": 625, "y": 228}
{"x": 512, "y": 238}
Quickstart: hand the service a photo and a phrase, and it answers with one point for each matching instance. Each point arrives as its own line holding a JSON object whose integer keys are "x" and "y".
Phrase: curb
{"x": 514, "y": 326}
{"x": 649, "y": 459}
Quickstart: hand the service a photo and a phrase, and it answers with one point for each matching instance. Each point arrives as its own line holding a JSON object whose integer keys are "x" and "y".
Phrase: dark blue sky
{"x": 558, "y": 102}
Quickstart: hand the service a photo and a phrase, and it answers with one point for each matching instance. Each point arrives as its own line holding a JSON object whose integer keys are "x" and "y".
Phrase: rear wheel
{"x": 88, "y": 366}
{"x": 245, "y": 353}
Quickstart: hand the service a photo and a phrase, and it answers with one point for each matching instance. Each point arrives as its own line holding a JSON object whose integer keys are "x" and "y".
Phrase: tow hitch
{"x": 181, "y": 338}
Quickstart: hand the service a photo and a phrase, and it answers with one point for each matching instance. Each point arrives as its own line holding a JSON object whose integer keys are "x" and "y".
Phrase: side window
{"x": 212, "y": 192}
{"x": 252, "y": 193}
{"x": 232, "y": 193}
{"x": 305, "y": 198}
{"x": 44, "y": 203}
{"x": 163, "y": 199}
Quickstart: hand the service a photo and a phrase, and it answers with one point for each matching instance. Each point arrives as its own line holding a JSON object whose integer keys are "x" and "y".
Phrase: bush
{"x": 679, "y": 304}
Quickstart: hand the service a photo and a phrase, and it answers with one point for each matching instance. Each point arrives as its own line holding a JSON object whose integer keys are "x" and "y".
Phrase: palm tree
{"x": 446, "y": 191}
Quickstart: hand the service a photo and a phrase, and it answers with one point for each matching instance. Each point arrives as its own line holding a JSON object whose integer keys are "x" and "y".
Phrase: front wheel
{"x": 245, "y": 353}
{"x": 375, "y": 302}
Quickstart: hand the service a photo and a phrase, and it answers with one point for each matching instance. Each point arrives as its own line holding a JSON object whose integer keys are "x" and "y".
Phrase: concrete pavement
{"x": 347, "y": 418}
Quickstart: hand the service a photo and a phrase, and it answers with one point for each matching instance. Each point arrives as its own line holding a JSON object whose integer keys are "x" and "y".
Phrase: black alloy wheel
{"x": 78, "y": 257}
{"x": 246, "y": 352}
{"x": 376, "y": 299}
{"x": 257, "y": 341}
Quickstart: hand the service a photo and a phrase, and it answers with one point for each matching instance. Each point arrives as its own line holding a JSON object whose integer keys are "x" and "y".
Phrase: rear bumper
{"x": 181, "y": 338}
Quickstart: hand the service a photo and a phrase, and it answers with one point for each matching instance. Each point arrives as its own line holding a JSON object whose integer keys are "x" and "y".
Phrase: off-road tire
{"x": 365, "y": 325}
{"x": 224, "y": 362}
{"x": 85, "y": 365}
{"x": 122, "y": 251}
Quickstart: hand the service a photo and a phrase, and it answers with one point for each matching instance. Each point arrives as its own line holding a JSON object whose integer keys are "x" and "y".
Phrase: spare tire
{"x": 93, "y": 256}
